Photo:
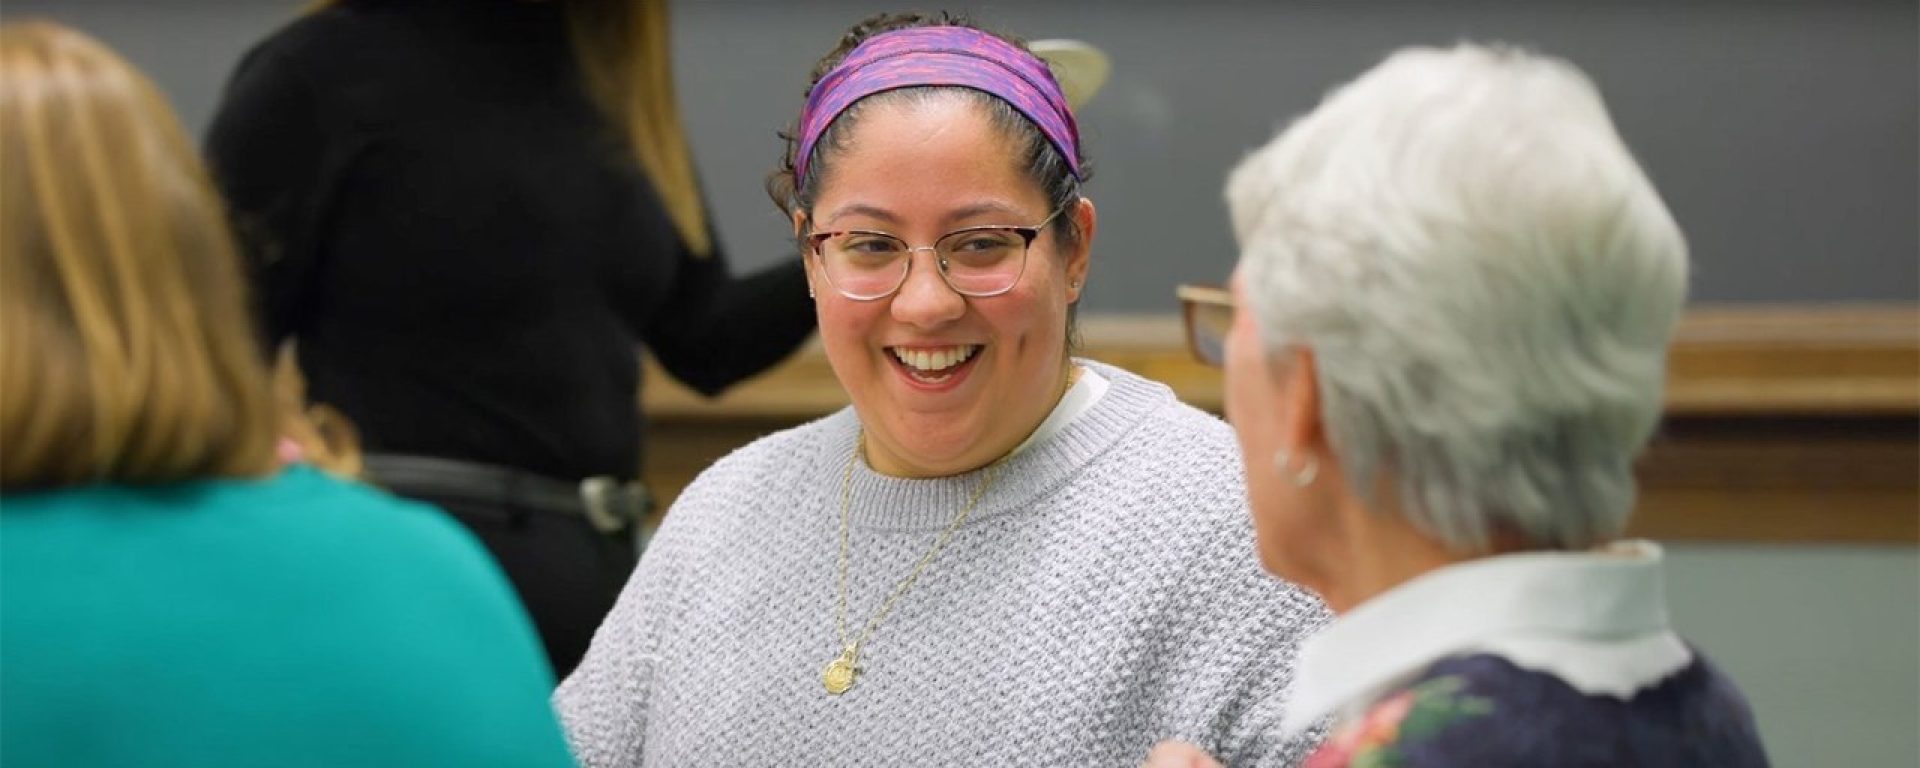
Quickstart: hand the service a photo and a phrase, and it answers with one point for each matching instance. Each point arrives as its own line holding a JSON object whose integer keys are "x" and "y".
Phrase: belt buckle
{"x": 612, "y": 505}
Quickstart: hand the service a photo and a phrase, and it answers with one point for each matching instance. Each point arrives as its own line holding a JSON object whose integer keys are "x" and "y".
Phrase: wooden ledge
{"x": 1784, "y": 424}
{"x": 1733, "y": 360}
{"x": 1788, "y": 360}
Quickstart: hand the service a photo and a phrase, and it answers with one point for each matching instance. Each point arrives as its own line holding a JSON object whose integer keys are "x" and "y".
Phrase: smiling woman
{"x": 1000, "y": 553}
{"x": 925, "y": 415}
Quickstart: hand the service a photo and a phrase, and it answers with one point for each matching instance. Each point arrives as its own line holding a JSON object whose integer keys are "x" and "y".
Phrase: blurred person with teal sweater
{"x": 170, "y": 593}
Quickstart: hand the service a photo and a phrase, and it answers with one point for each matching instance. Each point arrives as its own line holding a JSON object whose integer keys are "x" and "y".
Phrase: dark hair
{"x": 1042, "y": 161}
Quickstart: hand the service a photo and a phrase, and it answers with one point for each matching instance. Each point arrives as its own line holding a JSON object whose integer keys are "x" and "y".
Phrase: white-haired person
{"x": 1444, "y": 345}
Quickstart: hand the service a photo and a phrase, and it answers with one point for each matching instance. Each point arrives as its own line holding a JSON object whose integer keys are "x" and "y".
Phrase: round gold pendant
{"x": 838, "y": 676}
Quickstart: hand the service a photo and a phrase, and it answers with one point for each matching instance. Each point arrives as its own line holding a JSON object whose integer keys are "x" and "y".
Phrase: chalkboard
{"x": 1783, "y": 134}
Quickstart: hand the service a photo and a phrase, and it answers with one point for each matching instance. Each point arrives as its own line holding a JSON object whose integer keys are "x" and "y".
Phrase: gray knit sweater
{"x": 1103, "y": 596}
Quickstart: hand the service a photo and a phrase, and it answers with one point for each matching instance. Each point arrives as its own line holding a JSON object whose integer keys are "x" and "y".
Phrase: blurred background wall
{"x": 1782, "y": 132}
{"x": 1785, "y": 135}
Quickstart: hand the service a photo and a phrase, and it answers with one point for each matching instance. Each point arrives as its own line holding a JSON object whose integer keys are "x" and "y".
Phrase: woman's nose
{"x": 925, "y": 300}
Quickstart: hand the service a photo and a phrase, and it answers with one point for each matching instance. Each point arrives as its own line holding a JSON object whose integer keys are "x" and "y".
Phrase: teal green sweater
{"x": 289, "y": 621}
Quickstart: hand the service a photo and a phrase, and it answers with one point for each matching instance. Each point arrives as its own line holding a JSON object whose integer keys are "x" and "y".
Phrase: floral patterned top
{"x": 1541, "y": 658}
{"x": 1481, "y": 710}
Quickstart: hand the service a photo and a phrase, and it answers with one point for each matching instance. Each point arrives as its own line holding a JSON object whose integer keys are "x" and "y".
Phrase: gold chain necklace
{"x": 840, "y": 674}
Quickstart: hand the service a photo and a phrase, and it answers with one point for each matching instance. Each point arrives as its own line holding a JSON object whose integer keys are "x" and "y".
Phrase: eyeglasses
{"x": 1208, "y": 310}
{"x": 866, "y": 265}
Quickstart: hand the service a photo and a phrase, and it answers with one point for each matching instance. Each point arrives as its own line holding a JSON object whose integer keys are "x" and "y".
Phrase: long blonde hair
{"x": 126, "y": 351}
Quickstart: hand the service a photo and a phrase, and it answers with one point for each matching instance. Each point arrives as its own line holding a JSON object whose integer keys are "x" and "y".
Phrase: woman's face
{"x": 918, "y": 171}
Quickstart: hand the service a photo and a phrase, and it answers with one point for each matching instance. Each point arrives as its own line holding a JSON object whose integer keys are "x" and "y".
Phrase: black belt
{"x": 611, "y": 505}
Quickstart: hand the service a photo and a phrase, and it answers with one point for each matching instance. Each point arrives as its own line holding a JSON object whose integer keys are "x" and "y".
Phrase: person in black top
{"x": 469, "y": 215}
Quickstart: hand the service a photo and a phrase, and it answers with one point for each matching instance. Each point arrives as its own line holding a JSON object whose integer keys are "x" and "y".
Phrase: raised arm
{"x": 717, "y": 329}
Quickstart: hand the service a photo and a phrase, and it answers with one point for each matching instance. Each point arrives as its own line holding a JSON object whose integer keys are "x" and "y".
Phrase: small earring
{"x": 1302, "y": 478}
{"x": 1075, "y": 285}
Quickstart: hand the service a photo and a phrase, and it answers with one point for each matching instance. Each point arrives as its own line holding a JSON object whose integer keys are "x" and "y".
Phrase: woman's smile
{"x": 935, "y": 367}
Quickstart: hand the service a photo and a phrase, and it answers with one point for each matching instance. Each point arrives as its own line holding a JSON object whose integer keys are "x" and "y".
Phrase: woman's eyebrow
{"x": 890, "y": 218}
{"x": 982, "y": 207}
{"x": 861, "y": 209}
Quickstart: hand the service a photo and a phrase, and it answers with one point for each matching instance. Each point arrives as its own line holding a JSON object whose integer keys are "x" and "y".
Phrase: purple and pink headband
{"x": 959, "y": 56}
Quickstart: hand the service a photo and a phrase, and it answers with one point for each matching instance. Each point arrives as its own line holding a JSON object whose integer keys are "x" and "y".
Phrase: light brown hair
{"x": 624, "y": 51}
{"x": 126, "y": 351}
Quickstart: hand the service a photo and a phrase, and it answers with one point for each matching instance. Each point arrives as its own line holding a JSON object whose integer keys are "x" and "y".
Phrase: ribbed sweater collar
{"x": 881, "y": 502}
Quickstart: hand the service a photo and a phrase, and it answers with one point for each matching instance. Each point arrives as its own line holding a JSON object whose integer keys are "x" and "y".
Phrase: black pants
{"x": 567, "y": 574}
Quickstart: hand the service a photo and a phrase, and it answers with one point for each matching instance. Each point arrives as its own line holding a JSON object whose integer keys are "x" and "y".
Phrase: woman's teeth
{"x": 934, "y": 360}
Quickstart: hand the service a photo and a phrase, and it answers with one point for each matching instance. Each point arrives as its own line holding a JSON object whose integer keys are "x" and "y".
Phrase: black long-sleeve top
{"x": 463, "y": 248}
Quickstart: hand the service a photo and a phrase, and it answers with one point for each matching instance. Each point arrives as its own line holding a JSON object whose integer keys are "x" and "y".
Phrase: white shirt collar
{"x": 1079, "y": 398}
{"x": 1597, "y": 620}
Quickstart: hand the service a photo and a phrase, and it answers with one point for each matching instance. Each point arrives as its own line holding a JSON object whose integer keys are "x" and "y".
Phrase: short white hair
{"x": 1488, "y": 283}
